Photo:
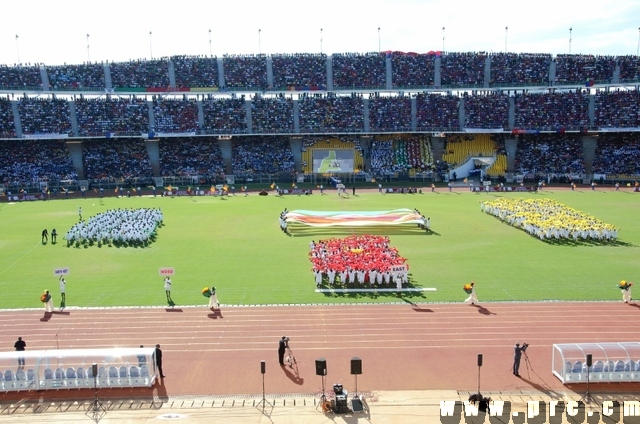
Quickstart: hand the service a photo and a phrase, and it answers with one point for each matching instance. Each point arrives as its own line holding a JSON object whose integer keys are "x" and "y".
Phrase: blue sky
{"x": 55, "y": 32}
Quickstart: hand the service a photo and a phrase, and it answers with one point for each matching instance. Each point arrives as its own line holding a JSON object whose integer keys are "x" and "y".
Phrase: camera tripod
{"x": 291, "y": 359}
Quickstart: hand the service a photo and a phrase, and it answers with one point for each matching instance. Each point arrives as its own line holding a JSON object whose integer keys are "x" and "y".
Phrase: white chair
{"x": 103, "y": 380}
{"x": 31, "y": 377}
{"x": 123, "y": 373}
{"x": 71, "y": 377}
{"x": 618, "y": 371}
{"x": 144, "y": 373}
{"x": 134, "y": 373}
{"x": 9, "y": 380}
{"x": 47, "y": 382}
{"x": 21, "y": 380}
{"x": 597, "y": 371}
{"x": 114, "y": 377}
{"x": 59, "y": 379}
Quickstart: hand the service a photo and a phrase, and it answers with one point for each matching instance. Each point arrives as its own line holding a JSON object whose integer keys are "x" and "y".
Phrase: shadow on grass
{"x": 587, "y": 242}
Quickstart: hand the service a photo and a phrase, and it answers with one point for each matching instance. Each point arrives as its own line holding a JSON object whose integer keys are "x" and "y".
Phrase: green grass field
{"x": 236, "y": 245}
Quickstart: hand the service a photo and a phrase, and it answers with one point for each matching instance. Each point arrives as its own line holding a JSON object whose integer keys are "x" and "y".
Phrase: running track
{"x": 402, "y": 346}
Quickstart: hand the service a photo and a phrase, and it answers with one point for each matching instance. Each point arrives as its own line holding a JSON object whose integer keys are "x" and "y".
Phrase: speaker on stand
{"x": 264, "y": 402}
{"x": 587, "y": 398}
{"x": 479, "y": 366}
{"x": 96, "y": 410}
{"x": 321, "y": 370}
{"x": 356, "y": 369}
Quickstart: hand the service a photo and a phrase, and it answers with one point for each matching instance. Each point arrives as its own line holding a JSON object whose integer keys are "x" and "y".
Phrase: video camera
{"x": 525, "y": 346}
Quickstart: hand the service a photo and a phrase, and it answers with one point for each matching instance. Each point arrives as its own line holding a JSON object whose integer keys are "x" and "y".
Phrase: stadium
{"x": 356, "y": 153}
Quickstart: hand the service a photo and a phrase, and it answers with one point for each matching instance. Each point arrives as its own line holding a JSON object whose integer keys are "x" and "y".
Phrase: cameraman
{"x": 516, "y": 358}
{"x": 282, "y": 347}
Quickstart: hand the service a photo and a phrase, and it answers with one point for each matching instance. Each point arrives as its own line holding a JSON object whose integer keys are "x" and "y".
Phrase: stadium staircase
{"x": 295, "y": 144}
{"x": 75, "y": 153}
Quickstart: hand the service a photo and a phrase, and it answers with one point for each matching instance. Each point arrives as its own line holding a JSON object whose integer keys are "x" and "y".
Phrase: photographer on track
{"x": 282, "y": 348}
{"x": 517, "y": 355}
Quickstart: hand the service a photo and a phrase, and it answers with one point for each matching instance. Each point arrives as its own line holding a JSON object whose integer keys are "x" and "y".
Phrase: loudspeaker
{"x": 94, "y": 369}
{"x": 263, "y": 367}
{"x": 589, "y": 359}
{"x": 321, "y": 366}
{"x": 356, "y": 365}
{"x": 479, "y": 359}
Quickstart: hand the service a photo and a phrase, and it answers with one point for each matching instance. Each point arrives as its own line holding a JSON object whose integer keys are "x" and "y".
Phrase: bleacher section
{"x": 460, "y": 147}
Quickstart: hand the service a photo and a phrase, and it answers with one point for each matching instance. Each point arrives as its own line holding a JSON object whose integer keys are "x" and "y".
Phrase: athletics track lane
{"x": 402, "y": 346}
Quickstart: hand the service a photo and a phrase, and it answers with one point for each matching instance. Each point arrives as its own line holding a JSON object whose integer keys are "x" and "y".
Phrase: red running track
{"x": 402, "y": 346}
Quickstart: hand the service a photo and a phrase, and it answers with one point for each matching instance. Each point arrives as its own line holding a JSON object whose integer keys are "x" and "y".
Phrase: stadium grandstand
{"x": 390, "y": 116}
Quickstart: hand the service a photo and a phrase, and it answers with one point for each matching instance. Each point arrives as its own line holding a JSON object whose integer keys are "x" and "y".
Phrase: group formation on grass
{"x": 549, "y": 220}
{"x": 357, "y": 261}
{"x": 117, "y": 227}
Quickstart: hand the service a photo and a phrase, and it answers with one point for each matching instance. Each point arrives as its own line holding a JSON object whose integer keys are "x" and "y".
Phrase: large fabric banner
{"x": 353, "y": 219}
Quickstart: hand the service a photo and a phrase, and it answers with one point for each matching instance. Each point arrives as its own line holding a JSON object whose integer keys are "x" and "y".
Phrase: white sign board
{"x": 399, "y": 268}
{"x": 167, "y": 272}
{"x": 57, "y": 272}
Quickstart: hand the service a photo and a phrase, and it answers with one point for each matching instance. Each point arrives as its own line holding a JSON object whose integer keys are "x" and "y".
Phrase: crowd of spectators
{"x": 189, "y": 157}
{"x": 33, "y": 162}
{"x": 490, "y": 110}
{"x": 412, "y": 70}
{"x": 617, "y": 109}
{"x": 558, "y": 111}
{"x": 112, "y": 115}
{"x": 195, "y": 71}
{"x": 261, "y": 155}
{"x": 115, "y": 160}
{"x": 140, "y": 73}
{"x": 549, "y": 154}
{"x": 519, "y": 69}
{"x": 389, "y": 113}
{"x": 309, "y": 71}
{"x": 331, "y": 113}
{"x": 76, "y": 77}
{"x": 629, "y": 68}
{"x": 462, "y": 69}
{"x": 245, "y": 72}
{"x": 580, "y": 68}
{"x": 225, "y": 115}
{"x": 302, "y": 70}
{"x": 22, "y": 77}
{"x": 7, "y": 124}
{"x": 272, "y": 115}
{"x": 44, "y": 116}
{"x": 357, "y": 70}
{"x": 175, "y": 116}
{"x": 617, "y": 154}
{"x": 435, "y": 112}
